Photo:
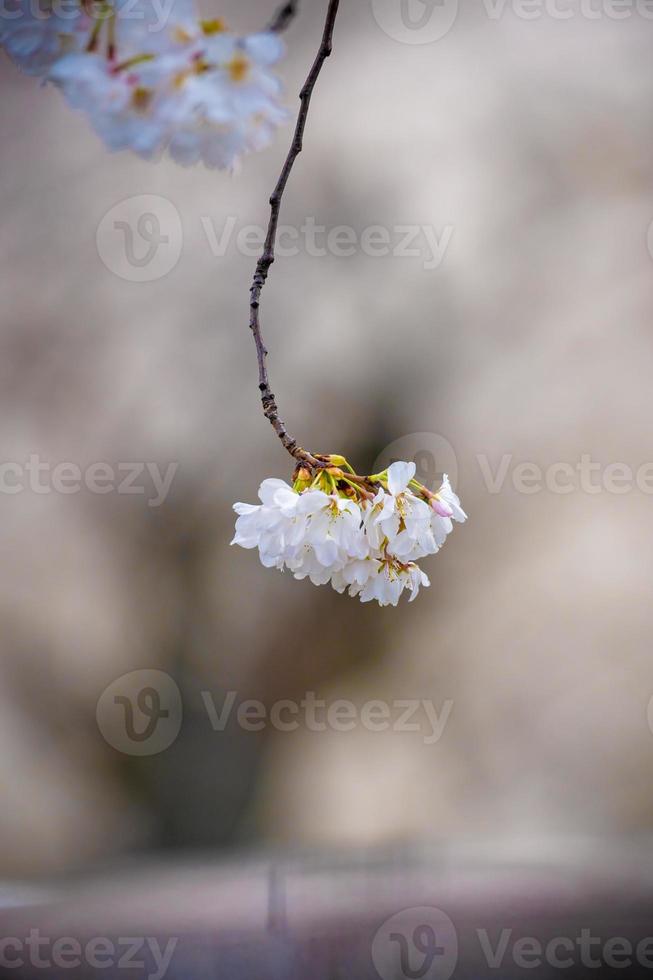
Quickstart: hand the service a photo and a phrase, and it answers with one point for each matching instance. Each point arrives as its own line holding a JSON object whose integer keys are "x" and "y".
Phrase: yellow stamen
{"x": 238, "y": 68}
{"x": 216, "y": 26}
{"x": 141, "y": 98}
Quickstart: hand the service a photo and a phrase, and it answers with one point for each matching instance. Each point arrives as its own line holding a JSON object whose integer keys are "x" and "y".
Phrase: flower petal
{"x": 399, "y": 476}
{"x": 268, "y": 489}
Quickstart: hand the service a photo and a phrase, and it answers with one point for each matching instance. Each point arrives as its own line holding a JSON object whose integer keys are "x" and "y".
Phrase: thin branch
{"x": 270, "y": 409}
{"x": 284, "y": 17}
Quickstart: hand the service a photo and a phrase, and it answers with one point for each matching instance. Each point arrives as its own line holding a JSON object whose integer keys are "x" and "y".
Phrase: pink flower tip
{"x": 441, "y": 508}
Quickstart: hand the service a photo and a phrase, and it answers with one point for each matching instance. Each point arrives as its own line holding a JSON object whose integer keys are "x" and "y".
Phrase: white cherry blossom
{"x": 445, "y": 509}
{"x": 332, "y": 530}
{"x": 277, "y": 534}
{"x": 153, "y": 80}
{"x": 210, "y": 98}
{"x": 402, "y": 519}
{"x": 388, "y": 580}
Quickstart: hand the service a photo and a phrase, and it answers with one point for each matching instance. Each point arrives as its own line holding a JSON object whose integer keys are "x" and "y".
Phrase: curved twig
{"x": 270, "y": 409}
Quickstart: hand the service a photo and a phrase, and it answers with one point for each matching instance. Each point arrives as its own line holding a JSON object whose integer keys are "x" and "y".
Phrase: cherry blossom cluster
{"x": 364, "y": 535}
{"x": 152, "y": 83}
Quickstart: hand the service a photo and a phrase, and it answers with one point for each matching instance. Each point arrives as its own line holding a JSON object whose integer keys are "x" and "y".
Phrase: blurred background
{"x": 524, "y": 147}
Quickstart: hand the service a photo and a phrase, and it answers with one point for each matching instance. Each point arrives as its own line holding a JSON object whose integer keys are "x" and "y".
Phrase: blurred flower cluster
{"x": 364, "y": 535}
{"x": 152, "y": 79}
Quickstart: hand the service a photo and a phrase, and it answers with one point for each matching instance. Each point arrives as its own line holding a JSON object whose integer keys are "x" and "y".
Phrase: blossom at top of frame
{"x": 153, "y": 82}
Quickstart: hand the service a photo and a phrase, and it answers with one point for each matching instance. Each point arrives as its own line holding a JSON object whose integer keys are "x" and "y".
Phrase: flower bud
{"x": 441, "y": 508}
